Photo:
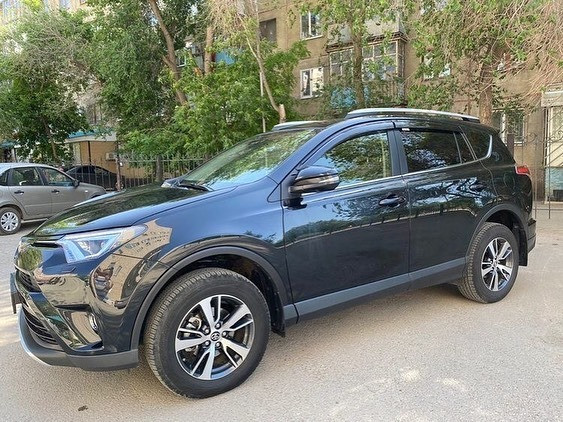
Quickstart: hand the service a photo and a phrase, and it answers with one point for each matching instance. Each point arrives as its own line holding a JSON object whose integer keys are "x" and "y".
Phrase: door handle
{"x": 392, "y": 201}
{"x": 19, "y": 192}
{"x": 55, "y": 191}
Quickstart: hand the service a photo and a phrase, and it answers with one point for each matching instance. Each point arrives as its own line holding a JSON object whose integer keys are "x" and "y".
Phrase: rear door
{"x": 447, "y": 188}
{"x": 29, "y": 192}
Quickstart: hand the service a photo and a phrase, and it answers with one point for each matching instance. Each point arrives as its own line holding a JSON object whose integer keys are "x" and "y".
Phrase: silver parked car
{"x": 36, "y": 192}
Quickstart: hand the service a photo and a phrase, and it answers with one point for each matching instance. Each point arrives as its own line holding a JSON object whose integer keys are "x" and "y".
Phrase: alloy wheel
{"x": 497, "y": 264}
{"x": 214, "y": 337}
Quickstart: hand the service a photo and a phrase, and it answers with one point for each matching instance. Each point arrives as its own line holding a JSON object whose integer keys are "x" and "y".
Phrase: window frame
{"x": 339, "y": 138}
{"x": 443, "y": 127}
{"x": 309, "y": 36}
{"x": 11, "y": 177}
{"x": 398, "y": 55}
{"x": 43, "y": 172}
{"x": 310, "y": 70}
{"x": 504, "y": 124}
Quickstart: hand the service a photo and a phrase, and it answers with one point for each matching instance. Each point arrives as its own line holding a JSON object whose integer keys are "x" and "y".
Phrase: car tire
{"x": 236, "y": 337}
{"x": 492, "y": 264}
{"x": 10, "y": 220}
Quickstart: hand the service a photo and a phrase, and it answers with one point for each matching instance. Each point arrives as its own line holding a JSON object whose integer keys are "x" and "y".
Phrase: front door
{"x": 356, "y": 236}
{"x": 29, "y": 192}
{"x": 63, "y": 193}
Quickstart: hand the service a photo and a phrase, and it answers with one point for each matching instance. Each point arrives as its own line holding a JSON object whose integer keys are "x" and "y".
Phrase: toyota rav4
{"x": 282, "y": 227}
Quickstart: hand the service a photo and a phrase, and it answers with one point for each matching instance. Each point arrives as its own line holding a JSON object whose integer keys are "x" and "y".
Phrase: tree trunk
{"x": 486, "y": 96}
{"x": 357, "y": 72}
{"x": 170, "y": 57}
{"x": 257, "y": 53}
{"x": 207, "y": 54}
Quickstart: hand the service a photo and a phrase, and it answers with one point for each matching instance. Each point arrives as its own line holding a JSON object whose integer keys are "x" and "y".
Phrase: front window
{"x": 56, "y": 178}
{"x": 249, "y": 160}
{"x": 360, "y": 159}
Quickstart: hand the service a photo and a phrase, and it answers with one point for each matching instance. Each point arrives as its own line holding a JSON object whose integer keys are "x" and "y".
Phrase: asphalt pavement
{"x": 427, "y": 355}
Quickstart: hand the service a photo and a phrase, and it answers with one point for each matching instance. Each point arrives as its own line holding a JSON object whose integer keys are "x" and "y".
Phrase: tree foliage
{"x": 41, "y": 73}
{"x": 485, "y": 42}
{"x": 226, "y": 105}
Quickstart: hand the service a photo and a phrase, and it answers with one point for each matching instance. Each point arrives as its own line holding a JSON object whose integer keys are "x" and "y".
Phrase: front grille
{"x": 26, "y": 280}
{"x": 37, "y": 327}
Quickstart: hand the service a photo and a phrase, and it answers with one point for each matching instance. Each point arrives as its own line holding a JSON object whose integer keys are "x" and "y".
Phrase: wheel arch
{"x": 16, "y": 207}
{"x": 509, "y": 216}
{"x": 243, "y": 261}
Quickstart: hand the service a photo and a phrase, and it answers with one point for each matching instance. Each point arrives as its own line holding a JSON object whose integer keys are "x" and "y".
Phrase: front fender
{"x": 282, "y": 290}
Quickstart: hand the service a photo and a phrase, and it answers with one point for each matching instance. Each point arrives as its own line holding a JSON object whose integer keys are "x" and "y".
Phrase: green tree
{"x": 484, "y": 42}
{"x": 226, "y": 105}
{"x": 41, "y": 71}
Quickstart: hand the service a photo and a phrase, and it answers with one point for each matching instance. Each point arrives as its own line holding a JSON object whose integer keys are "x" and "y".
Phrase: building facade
{"x": 535, "y": 137}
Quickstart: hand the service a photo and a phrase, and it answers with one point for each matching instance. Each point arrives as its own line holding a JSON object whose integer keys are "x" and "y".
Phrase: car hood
{"x": 120, "y": 210}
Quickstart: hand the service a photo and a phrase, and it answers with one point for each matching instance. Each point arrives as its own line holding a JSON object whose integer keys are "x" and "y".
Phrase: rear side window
{"x": 480, "y": 142}
{"x": 426, "y": 150}
{"x": 26, "y": 176}
{"x": 4, "y": 178}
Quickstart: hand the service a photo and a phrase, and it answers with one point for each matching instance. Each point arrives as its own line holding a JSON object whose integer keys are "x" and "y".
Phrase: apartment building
{"x": 535, "y": 137}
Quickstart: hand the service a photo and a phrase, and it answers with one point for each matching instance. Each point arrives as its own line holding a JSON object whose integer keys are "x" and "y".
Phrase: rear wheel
{"x": 207, "y": 332}
{"x": 10, "y": 220}
{"x": 492, "y": 264}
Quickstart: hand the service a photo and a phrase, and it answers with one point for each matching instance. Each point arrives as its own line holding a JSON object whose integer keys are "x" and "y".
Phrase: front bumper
{"x": 42, "y": 342}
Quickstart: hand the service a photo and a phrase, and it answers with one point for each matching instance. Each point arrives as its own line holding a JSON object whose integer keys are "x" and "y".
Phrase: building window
{"x": 386, "y": 61}
{"x": 268, "y": 30}
{"x": 430, "y": 74}
{"x": 64, "y": 4}
{"x": 310, "y": 25}
{"x": 11, "y": 9}
{"x": 312, "y": 82}
{"x": 510, "y": 122}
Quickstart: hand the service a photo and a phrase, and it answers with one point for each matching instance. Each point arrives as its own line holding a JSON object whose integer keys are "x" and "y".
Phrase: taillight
{"x": 523, "y": 169}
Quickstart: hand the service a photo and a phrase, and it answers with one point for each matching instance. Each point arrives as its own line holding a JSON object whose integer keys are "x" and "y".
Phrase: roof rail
{"x": 411, "y": 111}
{"x": 289, "y": 125}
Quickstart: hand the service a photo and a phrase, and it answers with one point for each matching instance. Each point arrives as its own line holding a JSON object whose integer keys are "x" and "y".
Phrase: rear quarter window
{"x": 480, "y": 142}
{"x": 4, "y": 178}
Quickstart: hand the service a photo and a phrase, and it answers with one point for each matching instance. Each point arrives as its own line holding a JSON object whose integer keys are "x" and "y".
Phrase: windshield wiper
{"x": 192, "y": 185}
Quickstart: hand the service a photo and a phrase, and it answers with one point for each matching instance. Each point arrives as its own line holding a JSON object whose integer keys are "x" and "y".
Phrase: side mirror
{"x": 75, "y": 183}
{"x": 315, "y": 179}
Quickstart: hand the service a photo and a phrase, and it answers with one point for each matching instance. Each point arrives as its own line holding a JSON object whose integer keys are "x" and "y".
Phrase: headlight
{"x": 84, "y": 246}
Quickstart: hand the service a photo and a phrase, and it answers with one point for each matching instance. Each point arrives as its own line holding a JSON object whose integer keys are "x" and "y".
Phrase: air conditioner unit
{"x": 111, "y": 156}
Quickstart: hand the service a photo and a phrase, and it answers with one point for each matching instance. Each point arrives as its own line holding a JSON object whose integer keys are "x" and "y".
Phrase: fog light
{"x": 93, "y": 322}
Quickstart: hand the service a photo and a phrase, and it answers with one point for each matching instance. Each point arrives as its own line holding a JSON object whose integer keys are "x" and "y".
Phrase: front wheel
{"x": 207, "y": 332}
{"x": 492, "y": 264}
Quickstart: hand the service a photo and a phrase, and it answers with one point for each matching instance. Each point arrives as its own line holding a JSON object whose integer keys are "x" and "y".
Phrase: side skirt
{"x": 437, "y": 274}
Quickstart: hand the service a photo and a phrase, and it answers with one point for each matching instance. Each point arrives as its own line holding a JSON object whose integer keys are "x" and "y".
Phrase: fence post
{"x": 159, "y": 169}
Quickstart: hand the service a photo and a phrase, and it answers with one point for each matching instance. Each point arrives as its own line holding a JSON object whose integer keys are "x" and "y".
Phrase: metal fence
{"x": 131, "y": 171}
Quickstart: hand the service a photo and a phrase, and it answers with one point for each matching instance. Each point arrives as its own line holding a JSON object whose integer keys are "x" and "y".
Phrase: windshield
{"x": 247, "y": 161}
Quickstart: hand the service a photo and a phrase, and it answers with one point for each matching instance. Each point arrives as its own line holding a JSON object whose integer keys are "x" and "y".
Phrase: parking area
{"x": 420, "y": 356}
